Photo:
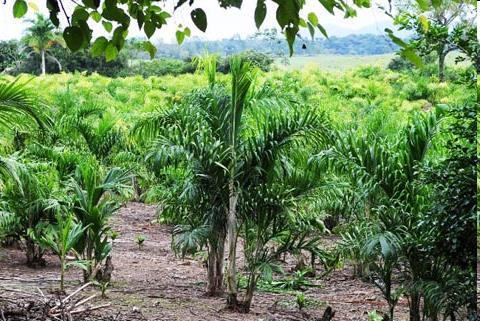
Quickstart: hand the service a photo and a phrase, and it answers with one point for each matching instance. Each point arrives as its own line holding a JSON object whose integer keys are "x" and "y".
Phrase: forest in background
{"x": 17, "y": 57}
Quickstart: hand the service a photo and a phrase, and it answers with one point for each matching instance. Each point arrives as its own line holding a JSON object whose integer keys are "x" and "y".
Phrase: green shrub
{"x": 398, "y": 63}
{"x": 416, "y": 90}
{"x": 158, "y": 67}
{"x": 369, "y": 72}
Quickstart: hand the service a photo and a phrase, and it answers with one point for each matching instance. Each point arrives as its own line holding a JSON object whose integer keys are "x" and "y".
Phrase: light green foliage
{"x": 374, "y": 316}
{"x": 334, "y": 63}
{"x": 298, "y": 281}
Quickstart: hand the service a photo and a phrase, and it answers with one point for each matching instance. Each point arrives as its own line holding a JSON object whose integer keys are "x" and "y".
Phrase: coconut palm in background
{"x": 40, "y": 36}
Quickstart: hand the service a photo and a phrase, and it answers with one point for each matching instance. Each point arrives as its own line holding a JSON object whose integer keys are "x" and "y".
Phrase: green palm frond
{"x": 9, "y": 168}
{"x": 280, "y": 132}
{"x": 15, "y": 103}
{"x": 242, "y": 81}
{"x": 147, "y": 128}
{"x": 207, "y": 64}
{"x": 188, "y": 239}
{"x": 378, "y": 162}
{"x": 8, "y": 222}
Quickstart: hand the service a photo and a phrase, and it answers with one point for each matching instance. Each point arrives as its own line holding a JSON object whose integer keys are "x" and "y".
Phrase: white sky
{"x": 221, "y": 23}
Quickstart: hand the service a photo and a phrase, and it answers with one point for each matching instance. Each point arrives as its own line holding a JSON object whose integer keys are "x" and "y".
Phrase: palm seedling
{"x": 140, "y": 239}
{"x": 300, "y": 300}
{"x": 381, "y": 252}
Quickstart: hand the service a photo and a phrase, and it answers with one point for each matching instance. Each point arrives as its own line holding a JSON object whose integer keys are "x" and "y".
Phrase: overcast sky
{"x": 221, "y": 23}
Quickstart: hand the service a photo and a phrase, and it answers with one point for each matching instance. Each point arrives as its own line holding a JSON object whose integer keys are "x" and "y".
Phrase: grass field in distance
{"x": 332, "y": 62}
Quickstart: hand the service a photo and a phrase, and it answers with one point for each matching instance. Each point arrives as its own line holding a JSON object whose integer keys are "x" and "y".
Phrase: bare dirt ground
{"x": 151, "y": 283}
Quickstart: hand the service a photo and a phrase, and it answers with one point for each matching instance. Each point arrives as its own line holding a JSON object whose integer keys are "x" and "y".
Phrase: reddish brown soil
{"x": 152, "y": 284}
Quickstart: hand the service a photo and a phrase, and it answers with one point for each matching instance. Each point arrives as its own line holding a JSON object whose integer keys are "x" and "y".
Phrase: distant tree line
{"x": 42, "y": 51}
{"x": 269, "y": 42}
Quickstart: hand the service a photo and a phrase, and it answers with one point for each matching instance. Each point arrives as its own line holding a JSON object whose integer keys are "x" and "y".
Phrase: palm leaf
{"x": 16, "y": 102}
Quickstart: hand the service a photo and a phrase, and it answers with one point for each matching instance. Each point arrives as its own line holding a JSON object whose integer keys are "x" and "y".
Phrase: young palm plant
{"x": 381, "y": 252}
{"x": 28, "y": 203}
{"x": 95, "y": 201}
{"x": 86, "y": 126}
{"x": 273, "y": 181}
{"x": 62, "y": 238}
{"x": 388, "y": 171}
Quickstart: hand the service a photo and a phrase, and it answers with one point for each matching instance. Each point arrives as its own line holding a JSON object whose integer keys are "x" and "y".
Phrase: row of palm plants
{"x": 62, "y": 208}
{"x": 397, "y": 243}
{"x": 39, "y": 210}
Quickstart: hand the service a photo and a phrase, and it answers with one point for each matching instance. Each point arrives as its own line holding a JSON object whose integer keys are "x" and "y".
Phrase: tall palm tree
{"x": 209, "y": 134}
{"x": 195, "y": 134}
{"x": 41, "y": 36}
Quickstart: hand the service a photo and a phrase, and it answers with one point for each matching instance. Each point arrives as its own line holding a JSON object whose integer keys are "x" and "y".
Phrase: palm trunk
{"x": 414, "y": 306}
{"x": 441, "y": 65}
{"x": 312, "y": 264}
{"x": 219, "y": 262}
{"x": 249, "y": 295}
{"x": 211, "y": 282}
{"x": 232, "y": 301}
{"x": 34, "y": 254}
{"x": 391, "y": 311}
{"x": 44, "y": 71}
{"x": 216, "y": 248}
{"x": 62, "y": 272}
